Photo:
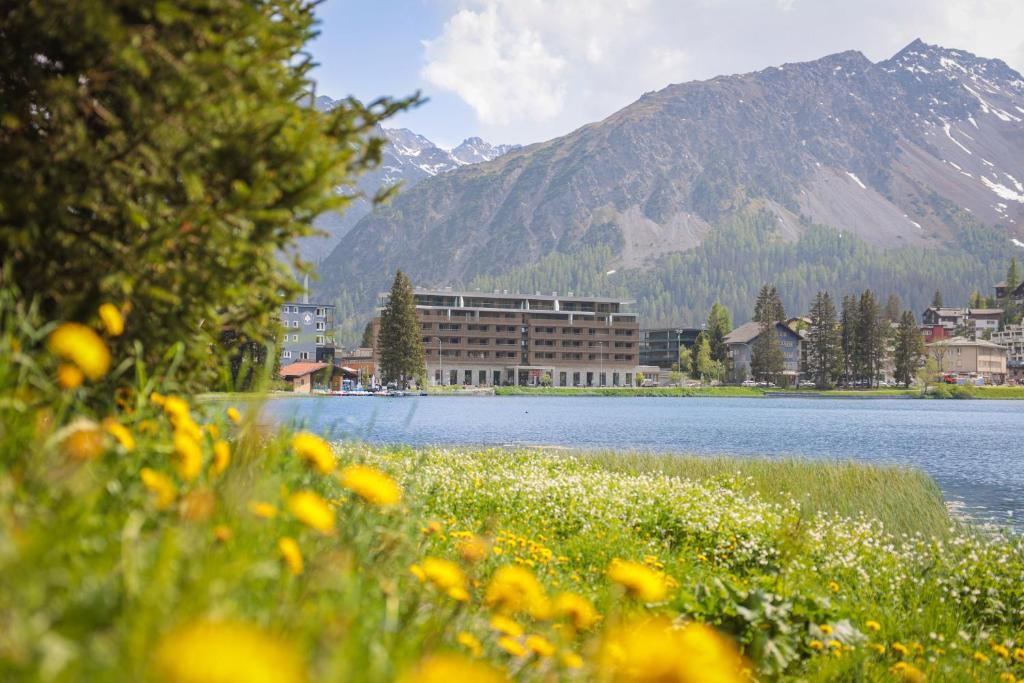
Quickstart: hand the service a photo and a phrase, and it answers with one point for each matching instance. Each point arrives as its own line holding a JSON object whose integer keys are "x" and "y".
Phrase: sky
{"x": 522, "y": 71}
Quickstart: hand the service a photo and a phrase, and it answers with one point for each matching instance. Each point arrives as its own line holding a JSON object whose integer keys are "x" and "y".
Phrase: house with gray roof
{"x": 740, "y": 343}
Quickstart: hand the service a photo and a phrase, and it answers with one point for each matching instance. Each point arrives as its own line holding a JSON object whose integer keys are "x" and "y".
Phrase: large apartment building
{"x": 308, "y": 333}
{"x": 486, "y": 339}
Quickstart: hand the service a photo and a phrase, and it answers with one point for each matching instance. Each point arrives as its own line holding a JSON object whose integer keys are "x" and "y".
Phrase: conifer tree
{"x": 823, "y": 357}
{"x": 401, "y": 337}
{"x": 937, "y": 299}
{"x": 908, "y": 349}
{"x": 1010, "y": 312}
{"x": 893, "y": 308}
{"x": 767, "y": 360}
{"x": 871, "y": 338}
{"x": 718, "y": 326}
{"x": 848, "y": 338}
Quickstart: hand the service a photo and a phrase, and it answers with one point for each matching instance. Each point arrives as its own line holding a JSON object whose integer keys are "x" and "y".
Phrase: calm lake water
{"x": 973, "y": 449}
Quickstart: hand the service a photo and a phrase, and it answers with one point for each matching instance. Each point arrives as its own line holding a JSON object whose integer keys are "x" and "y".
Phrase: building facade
{"x": 970, "y": 360}
{"x": 488, "y": 339}
{"x": 1012, "y": 338}
{"x": 944, "y": 323}
{"x": 308, "y": 333}
{"x": 661, "y": 346}
{"x": 740, "y": 343}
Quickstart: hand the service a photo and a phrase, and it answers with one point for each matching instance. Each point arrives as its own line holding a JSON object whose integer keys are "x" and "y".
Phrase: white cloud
{"x": 534, "y": 69}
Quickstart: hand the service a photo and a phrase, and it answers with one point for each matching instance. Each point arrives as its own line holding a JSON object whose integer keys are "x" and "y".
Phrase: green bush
{"x": 161, "y": 156}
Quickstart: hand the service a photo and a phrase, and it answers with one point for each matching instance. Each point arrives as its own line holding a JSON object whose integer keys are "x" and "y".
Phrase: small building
{"x": 970, "y": 360}
{"x": 308, "y": 333}
{"x": 306, "y": 376}
{"x": 985, "y": 319}
{"x": 361, "y": 361}
{"x": 973, "y": 321}
{"x": 740, "y": 343}
{"x": 1012, "y": 337}
{"x": 1017, "y": 295}
{"x": 945, "y": 317}
{"x": 661, "y": 346}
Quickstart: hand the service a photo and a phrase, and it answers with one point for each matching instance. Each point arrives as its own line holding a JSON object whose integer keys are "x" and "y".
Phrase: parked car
{"x": 748, "y": 383}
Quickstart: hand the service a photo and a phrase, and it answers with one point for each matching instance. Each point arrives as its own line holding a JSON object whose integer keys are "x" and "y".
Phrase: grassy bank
{"x": 629, "y": 391}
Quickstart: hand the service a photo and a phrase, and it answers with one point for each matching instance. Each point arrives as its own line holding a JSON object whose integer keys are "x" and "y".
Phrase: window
{"x": 561, "y": 379}
{"x": 286, "y": 354}
{"x": 321, "y": 326}
{"x": 467, "y": 377}
{"x": 319, "y": 339}
{"x": 303, "y": 355}
{"x": 483, "y": 377}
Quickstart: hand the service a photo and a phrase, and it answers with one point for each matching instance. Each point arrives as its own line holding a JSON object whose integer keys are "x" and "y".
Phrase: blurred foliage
{"x": 163, "y": 156}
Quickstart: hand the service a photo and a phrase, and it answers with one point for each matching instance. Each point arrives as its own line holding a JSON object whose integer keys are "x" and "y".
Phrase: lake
{"x": 973, "y": 449}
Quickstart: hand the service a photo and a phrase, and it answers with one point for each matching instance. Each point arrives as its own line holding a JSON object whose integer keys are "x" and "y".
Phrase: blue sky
{"x": 523, "y": 71}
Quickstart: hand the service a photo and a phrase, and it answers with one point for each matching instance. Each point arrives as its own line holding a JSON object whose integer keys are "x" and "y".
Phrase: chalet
{"x": 1018, "y": 292}
{"x": 740, "y": 343}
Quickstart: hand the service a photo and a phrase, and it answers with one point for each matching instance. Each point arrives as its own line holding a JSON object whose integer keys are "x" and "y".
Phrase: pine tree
{"x": 1010, "y": 312}
{"x": 401, "y": 337}
{"x": 719, "y": 324}
{"x": 369, "y": 339}
{"x": 893, "y": 308}
{"x": 823, "y": 357}
{"x": 908, "y": 350}
{"x": 767, "y": 360}
{"x": 871, "y": 338}
{"x": 937, "y": 299}
{"x": 848, "y": 339}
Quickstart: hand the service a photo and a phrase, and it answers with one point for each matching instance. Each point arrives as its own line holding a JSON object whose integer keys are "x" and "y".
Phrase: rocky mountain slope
{"x": 408, "y": 159}
{"x": 895, "y": 155}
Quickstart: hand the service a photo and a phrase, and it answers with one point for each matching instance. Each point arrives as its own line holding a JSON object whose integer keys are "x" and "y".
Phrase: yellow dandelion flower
{"x": 877, "y": 647}
{"x": 312, "y": 510}
{"x": 83, "y": 347}
{"x": 471, "y": 643}
{"x": 515, "y": 589}
{"x": 446, "y": 668}
{"x": 826, "y": 629}
{"x": 213, "y": 430}
{"x": 217, "y": 652}
{"x": 980, "y": 657}
{"x": 290, "y": 553}
{"x": 157, "y": 399}
{"x": 69, "y": 376}
{"x": 175, "y": 406}
{"x": 444, "y": 574}
{"x": 263, "y": 510}
{"x": 571, "y": 660}
{"x": 578, "y": 609}
{"x": 222, "y": 533}
{"x": 511, "y": 646}
{"x": 1007, "y": 677}
{"x": 113, "y": 321}
{"x": 816, "y": 645}
{"x": 1018, "y": 654}
{"x": 161, "y": 485}
{"x": 84, "y": 441}
{"x": 834, "y": 644}
{"x": 315, "y": 451}
{"x": 833, "y": 586}
{"x": 503, "y": 624}
{"x": 639, "y": 580}
{"x": 221, "y": 456}
{"x": 907, "y": 672}
{"x": 472, "y": 549}
{"x": 234, "y": 415}
{"x": 1001, "y": 650}
{"x": 188, "y": 457}
{"x": 119, "y": 432}
{"x": 371, "y": 485}
{"x": 873, "y": 626}
{"x": 540, "y": 646}
{"x": 901, "y": 648}
{"x": 656, "y": 651}
{"x": 417, "y": 571}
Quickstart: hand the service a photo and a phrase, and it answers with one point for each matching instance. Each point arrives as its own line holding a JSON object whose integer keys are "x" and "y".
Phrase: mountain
{"x": 904, "y": 174}
{"x": 408, "y": 159}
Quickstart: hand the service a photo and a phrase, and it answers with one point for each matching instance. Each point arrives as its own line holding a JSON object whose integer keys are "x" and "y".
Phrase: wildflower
{"x": 901, "y": 648}
{"x": 417, "y": 571}
{"x": 161, "y": 485}
{"x": 213, "y": 430}
{"x": 908, "y": 673}
{"x": 1018, "y": 654}
{"x": 221, "y": 456}
{"x": 515, "y": 589}
{"x": 873, "y": 626}
{"x": 571, "y": 660}
{"x": 157, "y": 399}
{"x": 120, "y": 433}
{"x": 175, "y": 406}
{"x": 1001, "y": 650}
{"x": 211, "y": 652}
{"x": 980, "y": 657}
{"x": 315, "y": 451}
{"x": 639, "y": 580}
{"x": 83, "y": 347}
{"x": 656, "y": 651}
{"x": 471, "y": 643}
{"x": 84, "y": 441}
{"x": 444, "y": 668}
{"x": 188, "y": 457}
{"x": 263, "y": 510}
{"x": 833, "y": 586}
{"x": 834, "y": 644}
{"x": 290, "y": 553}
{"x": 447, "y": 576}
{"x": 540, "y": 646}
{"x": 503, "y": 624}
{"x": 1007, "y": 677}
{"x": 877, "y": 647}
{"x": 578, "y": 609}
{"x": 826, "y": 629}
{"x": 197, "y": 506}
{"x": 234, "y": 415}
{"x": 69, "y": 376}
{"x": 113, "y": 322}
{"x": 312, "y": 510}
{"x": 511, "y": 646}
{"x": 816, "y": 645}
{"x": 371, "y": 485}
{"x": 432, "y": 527}
{"x": 473, "y": 549}
{"x": 222, "y": 533}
